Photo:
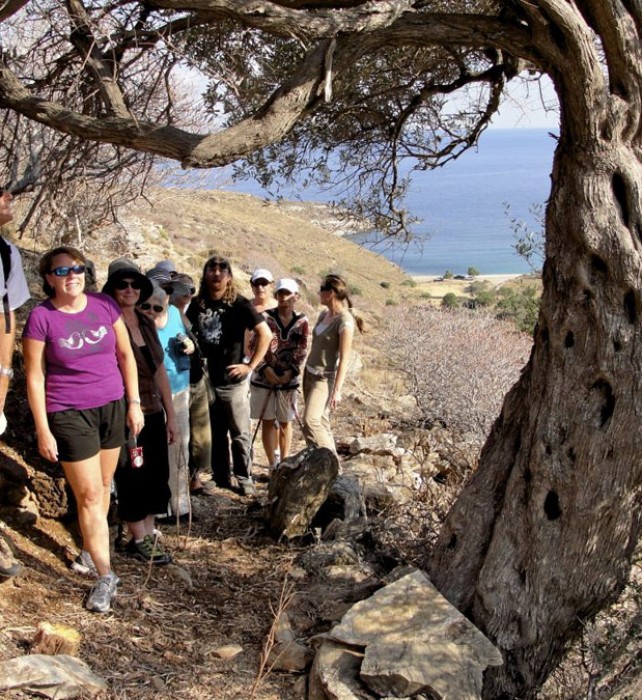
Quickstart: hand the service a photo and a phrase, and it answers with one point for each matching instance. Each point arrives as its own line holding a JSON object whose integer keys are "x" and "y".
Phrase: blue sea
{"x": 463, "y": 206}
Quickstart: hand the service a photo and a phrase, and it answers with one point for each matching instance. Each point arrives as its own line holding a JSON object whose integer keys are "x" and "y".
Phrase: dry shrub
{"x": 459, "y": 365}
{"x": 605, "y": 663}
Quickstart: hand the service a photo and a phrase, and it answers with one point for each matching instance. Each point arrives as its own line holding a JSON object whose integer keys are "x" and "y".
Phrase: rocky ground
{"x": 203, "y": 626}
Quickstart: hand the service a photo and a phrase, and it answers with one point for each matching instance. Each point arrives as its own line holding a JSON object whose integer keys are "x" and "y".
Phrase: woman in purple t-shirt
{"x": 79, "y": 365}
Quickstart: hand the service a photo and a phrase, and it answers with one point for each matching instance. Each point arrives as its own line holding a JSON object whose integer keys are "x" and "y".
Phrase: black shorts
{"x": 81, "y": 434}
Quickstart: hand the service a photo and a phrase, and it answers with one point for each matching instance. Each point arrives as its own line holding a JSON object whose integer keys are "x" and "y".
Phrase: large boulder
{"x": 413, "y": 641}
{"x": 344, "y": 502}
{"x": 298, "y": 488}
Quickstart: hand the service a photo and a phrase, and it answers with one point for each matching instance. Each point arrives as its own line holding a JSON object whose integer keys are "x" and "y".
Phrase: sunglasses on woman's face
{"x": 325, "y": 288}
{"x": 154, "y": 307}
{"x": 222, "y": 266}
{"x": 123, "y": 284}
{"x": 65, "y": 270}
{"x": 261, "y": 283}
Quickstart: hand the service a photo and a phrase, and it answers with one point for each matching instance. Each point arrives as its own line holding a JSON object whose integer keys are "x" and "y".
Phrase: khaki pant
{"x": 179, "y": 456}
{"x": 200, "y": 431}
{"x": 316, "y": 414}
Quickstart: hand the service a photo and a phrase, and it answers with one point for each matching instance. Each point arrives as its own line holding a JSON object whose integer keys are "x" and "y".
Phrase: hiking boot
{"x": 102, "y": 593}
{"x": 84, "y": 565}
{"x": 148, "y": 551}
{"x": 9, "y": 566}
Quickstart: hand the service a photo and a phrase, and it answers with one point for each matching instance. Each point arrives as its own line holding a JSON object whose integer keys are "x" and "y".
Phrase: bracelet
{"x": 6, "y": 371}
{"x": 133, "y": 401}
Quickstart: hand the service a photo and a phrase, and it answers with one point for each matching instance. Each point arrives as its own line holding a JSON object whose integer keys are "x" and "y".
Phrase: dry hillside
{"x": 162, "y": 637}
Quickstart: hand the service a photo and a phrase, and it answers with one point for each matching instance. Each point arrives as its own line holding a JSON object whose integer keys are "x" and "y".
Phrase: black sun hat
{"x": 123, "y": 267}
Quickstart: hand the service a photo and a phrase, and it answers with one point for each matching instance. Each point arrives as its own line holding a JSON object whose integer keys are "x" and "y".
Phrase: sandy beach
{"x": 495, "y": 280}
{"x": 437, "y": 289}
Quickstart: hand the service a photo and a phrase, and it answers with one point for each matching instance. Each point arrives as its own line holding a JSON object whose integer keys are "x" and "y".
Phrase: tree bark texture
{"x": 541, "y": 538}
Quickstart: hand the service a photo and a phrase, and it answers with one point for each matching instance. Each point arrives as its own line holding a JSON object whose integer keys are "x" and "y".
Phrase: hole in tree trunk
{"x": 452, "y": 542}
{"x": 606, "y": 399}
{"x": 617, "y": 346}
{"x": 569, "y": 341}
{"x": 620, "y": 191}
{"x": 598, "y": 267}
{"x": 631, "y": 306}
{"x": 552, "y": 506}
{"x": 571, "y": 453}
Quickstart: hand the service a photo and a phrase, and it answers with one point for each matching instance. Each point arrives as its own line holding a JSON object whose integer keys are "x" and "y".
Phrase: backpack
{"x": 5, "y": 255}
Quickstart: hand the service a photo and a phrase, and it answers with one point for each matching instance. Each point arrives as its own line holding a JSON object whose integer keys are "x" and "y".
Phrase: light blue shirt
{"x": 176, "y": 364}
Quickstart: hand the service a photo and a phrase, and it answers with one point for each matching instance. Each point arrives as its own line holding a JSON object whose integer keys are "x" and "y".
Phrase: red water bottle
{"x": 135, "y": 453}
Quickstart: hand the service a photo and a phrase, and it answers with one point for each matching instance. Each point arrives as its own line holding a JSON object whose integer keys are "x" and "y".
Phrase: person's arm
{"x": 162, "y": 382}
{"x": 7, "y": 343}
{"x": 345, "y": 346}
{"x": 34, "y": 356}
{"x": 263, "y": 337}
{"x": 129, "y": 370}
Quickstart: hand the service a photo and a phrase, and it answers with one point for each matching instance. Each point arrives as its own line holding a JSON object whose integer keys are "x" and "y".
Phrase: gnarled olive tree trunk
{"x": 541, "y": 538}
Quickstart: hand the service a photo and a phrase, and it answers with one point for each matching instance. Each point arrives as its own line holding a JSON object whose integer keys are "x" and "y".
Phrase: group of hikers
{"x": 151, "y": 384}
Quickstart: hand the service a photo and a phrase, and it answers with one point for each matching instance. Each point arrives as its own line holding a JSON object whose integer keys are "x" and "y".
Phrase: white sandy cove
{"x": 496, "y": 280}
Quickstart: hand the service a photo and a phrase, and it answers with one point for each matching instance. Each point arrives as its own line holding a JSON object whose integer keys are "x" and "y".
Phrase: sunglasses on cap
{"x": 123, "y": 284}
{"x": 154, "y": 307}
{"x": 65, "y": 270}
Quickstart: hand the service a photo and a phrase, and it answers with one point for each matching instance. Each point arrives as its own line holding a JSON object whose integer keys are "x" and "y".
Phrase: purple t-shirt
{"x": 81, "y": 369}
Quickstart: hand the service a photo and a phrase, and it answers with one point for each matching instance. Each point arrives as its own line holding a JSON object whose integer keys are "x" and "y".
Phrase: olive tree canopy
{"x": 542, "y": 536}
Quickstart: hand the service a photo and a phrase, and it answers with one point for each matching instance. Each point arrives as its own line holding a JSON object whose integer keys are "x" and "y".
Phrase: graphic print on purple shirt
{"x": 81, "y": 368}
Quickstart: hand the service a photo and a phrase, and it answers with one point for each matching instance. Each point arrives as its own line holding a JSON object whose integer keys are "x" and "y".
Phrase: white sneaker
{"x": 84, "y": 565}
{"x": 102, "y": 593}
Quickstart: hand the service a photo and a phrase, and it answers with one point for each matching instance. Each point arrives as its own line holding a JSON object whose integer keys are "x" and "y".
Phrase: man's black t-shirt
{"x": 220, "y": 330}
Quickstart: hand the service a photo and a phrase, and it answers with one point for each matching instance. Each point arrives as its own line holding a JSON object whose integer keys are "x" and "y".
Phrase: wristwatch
{"x": 6, "y": 371}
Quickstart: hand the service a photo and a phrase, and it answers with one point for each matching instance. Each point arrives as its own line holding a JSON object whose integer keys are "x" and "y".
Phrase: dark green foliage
{"x": 450, "y": 301}
{"x": 520, "y": 304}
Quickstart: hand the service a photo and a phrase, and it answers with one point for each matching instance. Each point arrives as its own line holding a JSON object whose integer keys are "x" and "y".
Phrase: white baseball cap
{"x": 261, "y": 274}
{"x": 288, "y": 284}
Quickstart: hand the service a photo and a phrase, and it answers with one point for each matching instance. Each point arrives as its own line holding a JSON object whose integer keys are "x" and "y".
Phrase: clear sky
{"x": 529, "y": 104}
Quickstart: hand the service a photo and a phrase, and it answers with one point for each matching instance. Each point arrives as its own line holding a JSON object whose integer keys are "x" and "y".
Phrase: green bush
{"x": 297, "y": 270}
{"x": 385, "y": 284}
{"x": 450, "y": 301}
{"x": 485, "y": 298}
{"x": 354, "y": 291}
{"x": 391, "y": 302}
{"x": 520, "y": 305}
{"x": 409, "y": 282}
{"x": 448, "y": 275}
{"x": 425, "y": 295}
{"x": 473, "y": 272}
